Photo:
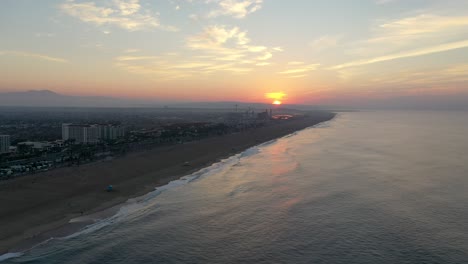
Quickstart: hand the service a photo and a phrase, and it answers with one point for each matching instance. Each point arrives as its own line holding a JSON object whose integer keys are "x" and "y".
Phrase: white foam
{"x": 249, "y": 152}
{"x": 290, "y": 135}
{"x": 10, "y": 255}
{"x": 265, "y": 144}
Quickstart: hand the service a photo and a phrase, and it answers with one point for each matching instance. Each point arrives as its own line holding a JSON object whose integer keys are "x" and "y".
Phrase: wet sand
{"x": 36, "y": 207}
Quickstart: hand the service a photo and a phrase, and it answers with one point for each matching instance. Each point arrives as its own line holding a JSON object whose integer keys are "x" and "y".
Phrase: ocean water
{"x": 366, "y": 187}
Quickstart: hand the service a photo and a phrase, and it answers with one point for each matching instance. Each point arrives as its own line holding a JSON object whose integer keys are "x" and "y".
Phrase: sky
{"x": 296, "y": 51}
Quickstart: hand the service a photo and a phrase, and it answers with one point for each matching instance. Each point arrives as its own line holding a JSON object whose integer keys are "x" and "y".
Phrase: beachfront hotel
{"x": 91, "y": 134}
{"x": 81, "y": 134}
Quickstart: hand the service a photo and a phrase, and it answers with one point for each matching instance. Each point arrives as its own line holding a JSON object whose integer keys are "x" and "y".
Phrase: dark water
{"x": 369, "y": 187}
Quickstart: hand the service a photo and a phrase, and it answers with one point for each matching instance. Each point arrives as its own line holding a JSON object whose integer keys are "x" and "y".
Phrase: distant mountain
{"x": 46, "y": 98}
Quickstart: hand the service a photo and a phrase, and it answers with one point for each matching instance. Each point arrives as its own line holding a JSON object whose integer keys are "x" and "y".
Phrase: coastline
{"x": 38, "y": 207}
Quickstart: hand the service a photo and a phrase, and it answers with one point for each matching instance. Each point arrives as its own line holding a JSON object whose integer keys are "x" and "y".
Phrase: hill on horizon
{"x": 48, "y": 98}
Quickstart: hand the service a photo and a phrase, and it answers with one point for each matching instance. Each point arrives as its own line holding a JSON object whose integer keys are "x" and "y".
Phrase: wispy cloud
{"x": 32, "y": 55}
{"x": 131, "y": 50}
{"x": 384, "y": 2}
{"x": 126, "y": 14}
{"x": 235, "y": 8}
{"x": 324, "y": 42}
{"x": 296, "y": 63}
{"x": 217, "y": 49}
{"x": 298, "y": 69}
{"x": 452, "y": 74}
{"x": 418, "y": 35}
{"x": 407, "y": 54}
{"x": 97, "y": 45}
{"x": 416, "y": 28}
{"x": 229, "y": 44}
{"x": 175, "y": 67}
{"x": 410, "y": 33}
{"x": 128, "y": 7}
{"x": 43, "y": 34}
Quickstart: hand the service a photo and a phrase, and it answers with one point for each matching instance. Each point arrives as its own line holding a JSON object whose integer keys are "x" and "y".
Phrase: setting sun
{"x": 277, "y": 96}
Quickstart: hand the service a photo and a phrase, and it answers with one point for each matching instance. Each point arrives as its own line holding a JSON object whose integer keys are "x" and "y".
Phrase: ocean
{"x": 365, "y": 187}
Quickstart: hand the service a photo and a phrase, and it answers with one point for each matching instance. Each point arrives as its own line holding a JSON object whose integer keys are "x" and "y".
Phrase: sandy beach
{"x": 39, "y": 206}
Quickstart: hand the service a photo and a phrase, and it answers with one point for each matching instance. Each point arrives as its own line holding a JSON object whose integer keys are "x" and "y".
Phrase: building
{"x": 33, "y": 146}
{"x": 13, "y": 149}
{"x": 4, "y": 144}
{"x": 111, "y": 132}
{"x": 81, "y": 134}
{"x": 65, "y": 134}
{"x": 91, "y": 134}
{"x": 58, "y": 143}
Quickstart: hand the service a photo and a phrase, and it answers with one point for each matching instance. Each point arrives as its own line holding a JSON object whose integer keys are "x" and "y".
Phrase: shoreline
{"x": 38, "y": 207}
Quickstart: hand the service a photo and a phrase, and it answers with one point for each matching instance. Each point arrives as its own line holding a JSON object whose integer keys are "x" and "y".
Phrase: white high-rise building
{"x": 111, "y": 132}
{"x": 81, "y": 134}
{"x": 65, "y": 130}
{"x": 91, "y": 134}
{"x": 4, "y": 143}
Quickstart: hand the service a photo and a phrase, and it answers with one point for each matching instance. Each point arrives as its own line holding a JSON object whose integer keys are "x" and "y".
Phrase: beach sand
{"x": 36, "y": 207}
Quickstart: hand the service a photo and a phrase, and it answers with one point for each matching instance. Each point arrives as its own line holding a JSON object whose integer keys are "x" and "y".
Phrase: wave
{"x": 135, "y": 207}
{"x": 10, "y": 255}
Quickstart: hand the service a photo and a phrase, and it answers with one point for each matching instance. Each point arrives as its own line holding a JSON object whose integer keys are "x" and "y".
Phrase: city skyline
{"x": 311, "y": 52}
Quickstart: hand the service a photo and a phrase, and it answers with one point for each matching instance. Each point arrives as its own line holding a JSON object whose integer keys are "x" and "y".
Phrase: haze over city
{"x": 315, "y": 52}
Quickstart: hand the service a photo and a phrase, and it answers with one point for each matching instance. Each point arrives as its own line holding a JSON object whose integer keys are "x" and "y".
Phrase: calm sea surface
{"x": 367, "y": 187}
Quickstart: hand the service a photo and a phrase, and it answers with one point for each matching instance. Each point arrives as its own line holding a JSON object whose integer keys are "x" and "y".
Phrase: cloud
{"x": 299, "y": 69}
{"x": 445, "y": 76}
{"x": 128, "y": 7}
{"x": 32, "y": 55}
{"x": 227, "y": 43}
{"x": 97, "y": 45}
{"x": 410, "y": 33}
{"x": 42, "y": 34}
{"x": 214, "y": 37}
{"x": 265, "y": 56}
{"x": 174, "y": 66}
{"x": 406, "y": 54}
{"x": 125, "y": 14}
{"x": 418, "y": 35}
{"x": 235, "y": 8}
{"x": 131, "y": 50}
{"x": 420, "y": 26}
{"x": 324, "y": 42}
{"x": 296, "y": 63}
{"x": 384, "y": 2}
{"x": 298, "y": 76}
{"x": 216, "y": 49}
